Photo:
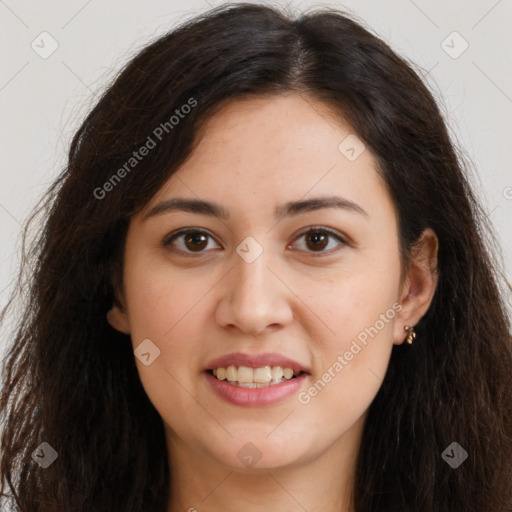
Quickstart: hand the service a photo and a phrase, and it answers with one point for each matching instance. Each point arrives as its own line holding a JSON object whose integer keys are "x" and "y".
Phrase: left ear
{"x": 419, "y": 284}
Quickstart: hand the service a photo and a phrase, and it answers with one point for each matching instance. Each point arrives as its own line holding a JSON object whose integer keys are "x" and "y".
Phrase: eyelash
{"x": 167, "y": 241}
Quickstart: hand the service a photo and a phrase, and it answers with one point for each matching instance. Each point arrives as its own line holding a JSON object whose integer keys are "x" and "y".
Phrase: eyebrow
{"x": 291, "y": 208}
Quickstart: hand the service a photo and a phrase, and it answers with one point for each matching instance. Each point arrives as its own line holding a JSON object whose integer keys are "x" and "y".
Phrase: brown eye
{"x": 195, "y": 241}
{"x": 317, "y": 239}
{"x": 192, "y": 241}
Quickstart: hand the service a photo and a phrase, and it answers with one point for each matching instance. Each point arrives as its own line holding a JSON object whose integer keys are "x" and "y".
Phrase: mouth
{"x": 261, "y": 377}
{"x": 255, "y": 380}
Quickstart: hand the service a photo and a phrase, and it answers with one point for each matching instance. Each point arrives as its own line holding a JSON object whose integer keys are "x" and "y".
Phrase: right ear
{"x": 118, "y": 319}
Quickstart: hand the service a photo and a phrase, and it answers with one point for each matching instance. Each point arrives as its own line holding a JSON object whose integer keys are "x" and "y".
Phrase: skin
{"x": 254, "y": 155}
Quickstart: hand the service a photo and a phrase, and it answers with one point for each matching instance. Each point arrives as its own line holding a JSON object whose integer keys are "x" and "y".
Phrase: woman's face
{"x": 316, "y": 289}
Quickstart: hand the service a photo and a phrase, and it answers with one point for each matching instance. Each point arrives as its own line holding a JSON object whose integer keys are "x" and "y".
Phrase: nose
{"x": 254, "y": 298}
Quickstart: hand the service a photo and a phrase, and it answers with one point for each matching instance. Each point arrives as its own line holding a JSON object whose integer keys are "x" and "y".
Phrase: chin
{"x": 254, "y": 452}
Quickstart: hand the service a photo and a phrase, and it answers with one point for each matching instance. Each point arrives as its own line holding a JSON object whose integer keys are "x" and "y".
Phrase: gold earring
{"x": 411, "y": 334}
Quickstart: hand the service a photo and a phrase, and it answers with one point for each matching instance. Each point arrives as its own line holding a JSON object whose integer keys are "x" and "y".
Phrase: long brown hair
{"x": 70, "y": 380}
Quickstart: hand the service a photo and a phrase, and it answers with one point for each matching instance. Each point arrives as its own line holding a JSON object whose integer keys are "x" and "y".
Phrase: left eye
{"x": 318, "y": 239}
{"x": 196, "y": 240}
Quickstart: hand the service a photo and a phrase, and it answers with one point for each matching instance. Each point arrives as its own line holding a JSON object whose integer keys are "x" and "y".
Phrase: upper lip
{"x": 255, "y": 361}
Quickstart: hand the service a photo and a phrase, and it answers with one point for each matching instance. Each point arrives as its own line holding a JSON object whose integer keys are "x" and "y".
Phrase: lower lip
{"x": 255, "y": 397}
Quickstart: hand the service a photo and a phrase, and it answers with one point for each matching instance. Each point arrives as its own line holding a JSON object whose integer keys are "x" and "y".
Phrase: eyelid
{"x": 184, "y": 231}
{"x": 331, "y": 232}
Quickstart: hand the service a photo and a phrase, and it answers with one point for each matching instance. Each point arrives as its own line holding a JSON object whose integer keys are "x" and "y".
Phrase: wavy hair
{"x": 70, "y": 379}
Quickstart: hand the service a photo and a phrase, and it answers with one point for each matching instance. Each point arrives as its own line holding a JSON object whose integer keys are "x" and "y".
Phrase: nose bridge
{"x": 251, "y": 277}
{"x": 254, "y": 297}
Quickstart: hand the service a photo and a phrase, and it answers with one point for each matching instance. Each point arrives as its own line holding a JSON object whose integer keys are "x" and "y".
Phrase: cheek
{"x": 352, "y": 356}
{"x": 159, "y": 298}
{"x": 352, "y": 359}
{"x": 349, "y": 370}
{"x": 351, "y": 301}
{"x": 166, "y": 309}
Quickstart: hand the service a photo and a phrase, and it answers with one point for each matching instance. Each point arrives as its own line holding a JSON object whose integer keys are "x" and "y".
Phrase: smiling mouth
{"x": 246, "y": 377}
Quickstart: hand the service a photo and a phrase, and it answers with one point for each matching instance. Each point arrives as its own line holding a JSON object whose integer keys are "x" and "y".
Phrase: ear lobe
{"x": 118, "y": 319}
{"x": 420, "y": 284}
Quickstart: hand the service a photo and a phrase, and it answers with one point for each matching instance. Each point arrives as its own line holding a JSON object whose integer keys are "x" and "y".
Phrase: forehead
{"x": 264, "y": 151}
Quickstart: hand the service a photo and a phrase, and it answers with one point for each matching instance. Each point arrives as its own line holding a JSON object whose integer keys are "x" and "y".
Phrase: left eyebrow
{"x": 319, "y": 203}
{"x": 291, "y": 208}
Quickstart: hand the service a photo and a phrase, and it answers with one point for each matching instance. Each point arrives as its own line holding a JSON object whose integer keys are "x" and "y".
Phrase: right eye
{"x": 192, "y": 240}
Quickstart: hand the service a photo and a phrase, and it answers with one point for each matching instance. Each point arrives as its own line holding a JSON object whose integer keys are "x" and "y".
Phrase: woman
{"x": 261, "y": 285}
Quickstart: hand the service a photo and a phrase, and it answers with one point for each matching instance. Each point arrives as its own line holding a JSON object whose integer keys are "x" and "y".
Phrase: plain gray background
{"x": 44, "y": 97}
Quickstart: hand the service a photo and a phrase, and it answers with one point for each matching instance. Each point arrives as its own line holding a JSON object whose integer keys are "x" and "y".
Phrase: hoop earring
{"x": 411, "y": 334}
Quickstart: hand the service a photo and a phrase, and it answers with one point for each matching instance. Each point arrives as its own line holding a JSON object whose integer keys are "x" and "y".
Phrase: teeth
{"x": 254, "y": 377}
{"x": 245, "y": 374}
{"x": 263, "y": 375}
{"x": 277, "y": 373}
{"x": 288, "y": 373}
{"x": 231, "y": 373}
